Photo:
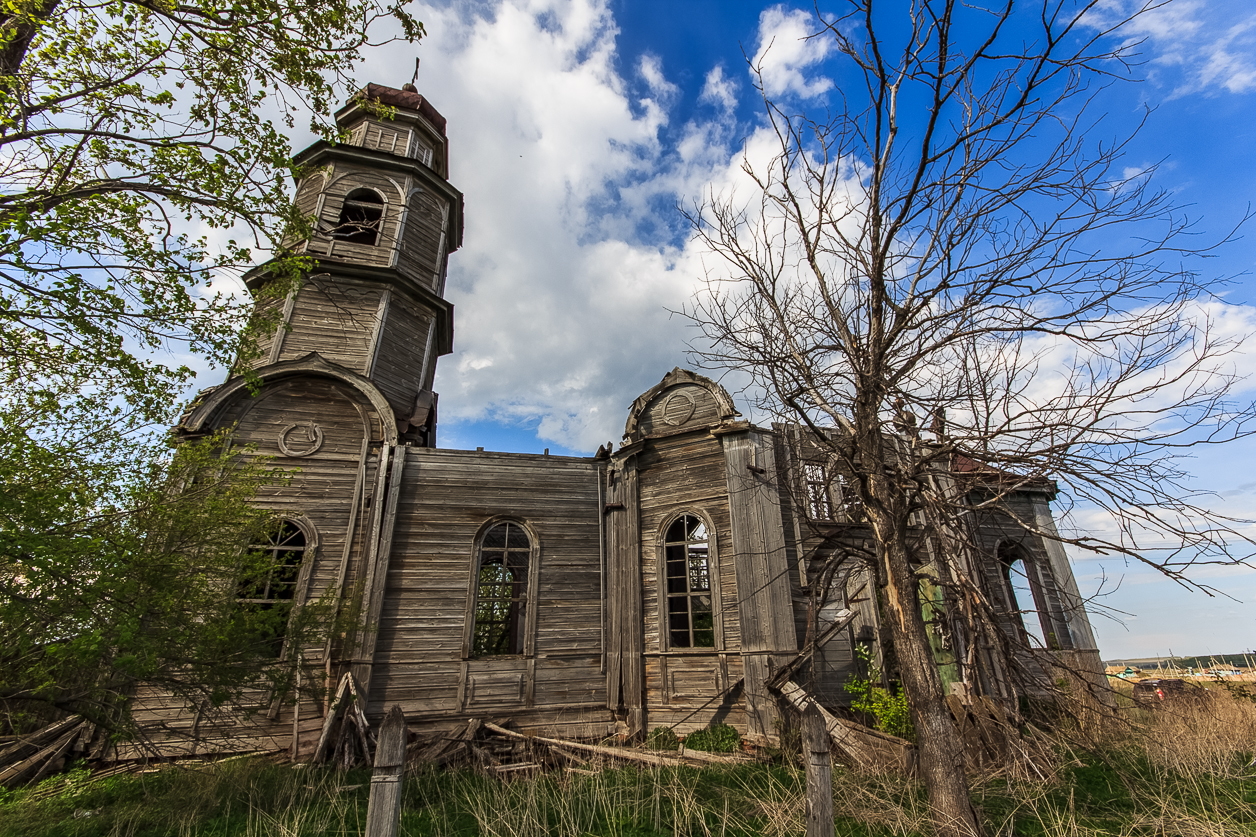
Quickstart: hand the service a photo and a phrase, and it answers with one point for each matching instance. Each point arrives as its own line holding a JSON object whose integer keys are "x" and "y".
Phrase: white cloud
{"x": 1191, "y": 46}
{"x": 787, "y": 51}
{"x": 719, "y": 89}
{"x": 571, "y": 261}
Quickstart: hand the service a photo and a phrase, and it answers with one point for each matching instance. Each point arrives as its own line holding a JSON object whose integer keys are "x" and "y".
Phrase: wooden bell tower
{"x": 386, "y": 220}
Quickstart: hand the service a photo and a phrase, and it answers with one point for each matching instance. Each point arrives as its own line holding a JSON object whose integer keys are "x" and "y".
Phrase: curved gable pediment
{"x": 682, "y": 401}
{"x": 204, "y": 413}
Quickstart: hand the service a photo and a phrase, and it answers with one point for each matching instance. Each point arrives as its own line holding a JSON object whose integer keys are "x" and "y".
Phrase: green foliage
{"x": 251, "y": 797}
{"x": 121, "y": 571}
{"x": 662, "y": 738}
{"x": 889, "y": 710}
{"x": 139, "y": 166}
{"x": 717, "y": 738}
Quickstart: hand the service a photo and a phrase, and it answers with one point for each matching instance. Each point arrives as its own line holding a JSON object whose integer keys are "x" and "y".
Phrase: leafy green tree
{"x": 134, "y": 134}
{"x": 123, "y": 569}
{"x": 141, "y": 170}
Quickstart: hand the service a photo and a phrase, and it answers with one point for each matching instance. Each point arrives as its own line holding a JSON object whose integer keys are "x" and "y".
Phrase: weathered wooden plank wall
{"x": 684, "y": 473}
{"x": 447, "y": 500}
{"x": 625, "y": 682}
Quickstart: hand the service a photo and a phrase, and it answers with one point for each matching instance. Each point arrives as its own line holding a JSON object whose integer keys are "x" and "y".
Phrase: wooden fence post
{"x": 815, "y": 742}
{"x": 383, "y": 811}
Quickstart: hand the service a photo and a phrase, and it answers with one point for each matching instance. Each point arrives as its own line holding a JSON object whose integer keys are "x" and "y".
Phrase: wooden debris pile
{"x": 856, "y": 745}
{"x": 26, "y": 759}
{"x": 346, "y": 739}
{"x": 992, "y": 740}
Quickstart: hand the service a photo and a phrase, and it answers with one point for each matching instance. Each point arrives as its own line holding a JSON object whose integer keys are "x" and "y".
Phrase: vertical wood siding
{"x": 398, "y": 357}
{"x": 426, "y": 230}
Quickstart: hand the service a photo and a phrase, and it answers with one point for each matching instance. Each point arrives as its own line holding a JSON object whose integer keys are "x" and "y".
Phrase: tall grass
{"x": 1180, "y": 769}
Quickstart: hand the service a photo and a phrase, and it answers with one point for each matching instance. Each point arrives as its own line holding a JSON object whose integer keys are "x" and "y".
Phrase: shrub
{"x": 717, "y": 738}
{"x": 889, "y": 710}
{"x": 662, "y": 738}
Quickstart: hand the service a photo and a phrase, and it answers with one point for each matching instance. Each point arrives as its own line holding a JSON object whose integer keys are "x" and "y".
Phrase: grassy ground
{"x": 1173, "y": 771}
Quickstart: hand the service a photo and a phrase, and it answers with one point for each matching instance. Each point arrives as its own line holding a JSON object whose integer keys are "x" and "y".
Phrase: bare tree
{"x": 955, "y": 241}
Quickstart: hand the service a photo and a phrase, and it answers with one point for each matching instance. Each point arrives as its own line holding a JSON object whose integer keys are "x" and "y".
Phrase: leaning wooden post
{"x": 816, "y": 747}
{"x": 383, "y": 812}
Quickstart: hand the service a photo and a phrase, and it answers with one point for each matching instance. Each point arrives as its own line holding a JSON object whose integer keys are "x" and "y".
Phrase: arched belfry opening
{"x": 361, "y": 218}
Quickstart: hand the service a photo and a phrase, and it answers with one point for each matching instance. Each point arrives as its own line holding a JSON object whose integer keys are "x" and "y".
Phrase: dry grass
{"x": 1205, "y": 735}
{"x": 1179, "y": 769}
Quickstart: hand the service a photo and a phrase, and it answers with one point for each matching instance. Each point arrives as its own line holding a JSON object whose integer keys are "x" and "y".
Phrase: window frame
{"x": 529, "y": 599}
{"x": 829, "y": 491}
{"x": 713, "y": 574}
{"x": 300, "y": 585}
{"x": 1007, "y": 553}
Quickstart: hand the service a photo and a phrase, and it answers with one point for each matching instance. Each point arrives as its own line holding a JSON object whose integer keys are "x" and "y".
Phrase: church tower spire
{"x": 385, "y": 221}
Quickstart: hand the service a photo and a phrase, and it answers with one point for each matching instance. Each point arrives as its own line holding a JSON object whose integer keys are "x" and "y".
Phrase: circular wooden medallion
{"x": 301, "y": 439}
{"x": 678, "y": 408}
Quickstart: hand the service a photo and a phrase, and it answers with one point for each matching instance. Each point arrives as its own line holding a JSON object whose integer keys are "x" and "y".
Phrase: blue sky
{"x": 577, "y": 126}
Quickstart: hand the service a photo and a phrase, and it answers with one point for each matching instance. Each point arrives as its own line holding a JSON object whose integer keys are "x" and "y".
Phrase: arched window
{"x": 360, "y": 217}
{"x": 270, "y": 589}
{"x": 1022, "y": 594}
{"x": 690, "y": 615}
{"x": 501, "y": 591}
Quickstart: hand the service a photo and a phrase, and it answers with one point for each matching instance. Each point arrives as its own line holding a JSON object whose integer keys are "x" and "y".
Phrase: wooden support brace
{"x": 611, "y": 752}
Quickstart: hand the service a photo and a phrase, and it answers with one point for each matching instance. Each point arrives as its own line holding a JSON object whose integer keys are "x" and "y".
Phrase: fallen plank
{"x": 39, "y": 759}
{"x": 325, "y": 736}
{"x": 712, "y": 758}
{"x": 23, "y": 745}
{"x": 612, "y": 752}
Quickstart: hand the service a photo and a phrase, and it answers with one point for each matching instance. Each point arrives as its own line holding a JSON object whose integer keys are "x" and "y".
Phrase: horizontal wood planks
{"x": 679, "y": 408}
{"x": 168, "y": 726}
{"x": 682, "y": 474}
{"x": 447, "y": 499}
{"x": 679, "y": 474}
{"x": 337, "y": 320}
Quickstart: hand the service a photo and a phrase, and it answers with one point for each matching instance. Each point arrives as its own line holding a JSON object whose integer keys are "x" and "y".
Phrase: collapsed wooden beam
{"x": 348, "y": 700}
{"x": 681, "y": 760}
{"x": 862, "y": 747}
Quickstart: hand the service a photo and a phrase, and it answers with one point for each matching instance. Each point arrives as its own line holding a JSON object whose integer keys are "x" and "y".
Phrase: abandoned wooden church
{"x": 663, "y": 583}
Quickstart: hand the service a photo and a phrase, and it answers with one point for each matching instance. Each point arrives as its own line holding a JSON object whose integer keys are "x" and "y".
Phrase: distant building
{"x": 659, "y": 584}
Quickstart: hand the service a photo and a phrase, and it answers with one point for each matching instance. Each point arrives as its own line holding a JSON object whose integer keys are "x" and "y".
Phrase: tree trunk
{"x": 938, "y": 740}
{"x": 16, "y": 33}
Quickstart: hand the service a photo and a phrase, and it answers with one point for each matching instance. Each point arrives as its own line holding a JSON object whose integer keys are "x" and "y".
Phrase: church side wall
{"x": 422, "y": 658}
{"x": 336, "y": 424}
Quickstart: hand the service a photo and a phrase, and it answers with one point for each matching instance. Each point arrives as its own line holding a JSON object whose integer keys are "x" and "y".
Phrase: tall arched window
{"x": 270, "y": 589}
{"x": 1022, "y": 594}
{"x": 361, "y": 217}
{"x": 501, "y": 591}
{"x": 687, "y": 559}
